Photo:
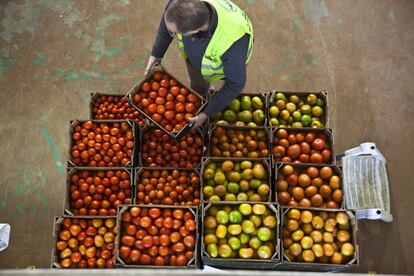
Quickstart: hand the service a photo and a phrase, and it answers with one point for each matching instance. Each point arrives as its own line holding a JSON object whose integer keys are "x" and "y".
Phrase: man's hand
{"x": 198, "y": 120}
{"x": 151, "y": 61}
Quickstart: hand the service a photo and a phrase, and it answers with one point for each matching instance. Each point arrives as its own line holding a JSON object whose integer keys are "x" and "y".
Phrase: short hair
{"x": 187, "y": 15}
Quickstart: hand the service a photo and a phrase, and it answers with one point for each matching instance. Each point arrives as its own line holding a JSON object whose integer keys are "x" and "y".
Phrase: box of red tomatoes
{"x": 303, "y": 145}
{"x": 157, "y": 236}
{"x": 84, "y": 242}
{"x": 97, "y": 191}
{"x": 306, "y": 185}
{"x": 103, "y": 143}
{"x": 158, "y": 149}
{"x": 167, "y": 186}
{"x": 165, "y": 101}
{"x": 113, "y": 107}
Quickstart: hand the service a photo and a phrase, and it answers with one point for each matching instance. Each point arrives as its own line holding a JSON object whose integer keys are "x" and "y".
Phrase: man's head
{"x": 186, "y": 16}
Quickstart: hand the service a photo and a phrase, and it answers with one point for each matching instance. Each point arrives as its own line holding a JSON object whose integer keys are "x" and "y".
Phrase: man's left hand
{"x": 198, "y": 120}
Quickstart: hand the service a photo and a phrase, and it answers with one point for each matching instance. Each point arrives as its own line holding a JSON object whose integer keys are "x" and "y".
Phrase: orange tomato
{"x": 137, "y": 98}
{"x": 179, "y": 107}
{"x": 153, "y": 95}
{"x": 164, "y": 83}
{"x": 146, "y": 87}
{"x": 152, "y": 108}
{"x": 162, "y": 92}
{"x": 169, "y": 115}
{"x": 169, "y": 128}
{"x": 184, "y": 91}
{"x": 159, "y": 101}
{"x": 175, "y": 90}
{"x": 144, "y": 102}
{"x": 192, "y": 98}
{"x": 156, "y": 117}
{"x": 169, "y": 97}
{"x": 190, "y": 107}
{"x": 316, "y": 158}
{"x": 169, "y": 105}
{"x": 173, "y": 82}
{"x": 157, "y": 76}
{"x": 180, "y": 98}
{"x": 161, "y": 109}
{"x": 155, "y": 86}
{"x": 179, "y": 117}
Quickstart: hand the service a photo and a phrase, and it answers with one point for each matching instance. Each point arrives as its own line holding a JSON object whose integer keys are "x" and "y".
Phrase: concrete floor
{"x": 53, "y": 53}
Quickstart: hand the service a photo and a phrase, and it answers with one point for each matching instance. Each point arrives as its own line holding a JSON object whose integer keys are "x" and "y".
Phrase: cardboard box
{"x": 326, "y": 131}
{"x": 245, "y": 130}
{"x": 287, "y": 264}
{"x": 176, "y": 135}
{"x": 265, "y": 162}
{"x": 144, "y": 129}
{"x": 192, "y": 264}
{"x": 140, "y": 171}
{"x": 68, "y": 210}
{"x": 302, "y": 95}
{"x": 263, "y": 97}
{"x": 96, "y": 95}
{"x": 57, "y": 226}
{"x": 238, "y": 263}
{"x": 135, "y": 154}
{"x": 302, "y": 167}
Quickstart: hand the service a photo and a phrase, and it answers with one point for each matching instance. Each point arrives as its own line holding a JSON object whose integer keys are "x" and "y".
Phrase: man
{"x": 216, "y": 40}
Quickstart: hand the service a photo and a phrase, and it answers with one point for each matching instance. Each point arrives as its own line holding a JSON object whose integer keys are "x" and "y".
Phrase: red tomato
{"x": 175, "y": 90}
{"x": 145, "y": 222}
{"x": 159, "y": 101}
{"x": 144, "y": 102}
{"x": 157, "y": 76}
{"x": 164, "y": 83}
{"x": 169, "y": 97}
{"x": 154, "y": 213}
{"x": 173, "y": 82}
{"x": 161, "y": 109}
{"x": 153, "y": 95}
{"x": 192, "y": 98}
{"x": 152, "y": 108}
{"x": 179, "y": 107}
{"x": 190, "y": 108}
{"x": 169, "y": 115}
{"x": 146, "y": 87}
{"x": 170, "y": 105}
{"x": 179, "y": 117}
{"x": 156, "y": 117}
{"x": 163, "y": 92}
{"x": 180, "y": 98}
{"x": 184, "y": 91}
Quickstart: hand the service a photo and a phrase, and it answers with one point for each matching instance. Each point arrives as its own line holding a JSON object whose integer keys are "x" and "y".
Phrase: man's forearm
{"x": 222, "y": 99}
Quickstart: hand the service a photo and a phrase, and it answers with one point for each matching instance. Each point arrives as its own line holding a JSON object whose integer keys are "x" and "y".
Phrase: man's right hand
{"x": 151, "y": 61}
